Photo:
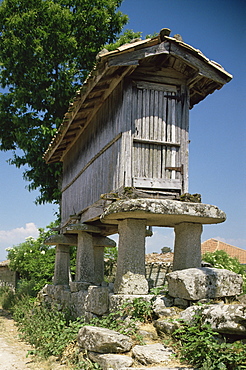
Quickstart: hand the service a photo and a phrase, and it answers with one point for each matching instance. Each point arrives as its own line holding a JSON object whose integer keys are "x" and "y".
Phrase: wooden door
{"x": 157, "y": 131}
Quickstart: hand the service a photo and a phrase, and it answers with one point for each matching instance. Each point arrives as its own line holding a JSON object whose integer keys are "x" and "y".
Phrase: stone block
{"x": 164, "y": 326}
{"x": 133, "y": 284}
{"x": 199, "y": 283}
{"x": 181, "y": 302}
{"x": 110, "y": 360}
{"x": 78, "y": 303}
{"x": 152, "y": 353}
{"x": 161, "y": 305}
{"x": 97, "y": 300}
{"x": 76, "y": 286}
{"x": 187, "y": 246}
{"x": 130, "y": 274}
{"x": 225, "y": 319}
{"x": 103, "y": 340}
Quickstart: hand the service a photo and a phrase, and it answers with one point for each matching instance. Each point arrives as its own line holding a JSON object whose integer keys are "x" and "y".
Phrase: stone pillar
{"x": 99, "y": 264}
{"x": 85, "y": 258}
{"x": 62, "y": 265}
{"x": 130, "y": 274}
{"x": 187, "y": 246}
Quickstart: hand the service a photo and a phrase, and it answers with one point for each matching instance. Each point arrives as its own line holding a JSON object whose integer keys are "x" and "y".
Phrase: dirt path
{"x": 13, "y": 352}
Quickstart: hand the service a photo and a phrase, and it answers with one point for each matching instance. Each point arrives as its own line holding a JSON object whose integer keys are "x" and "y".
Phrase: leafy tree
{"x": 166, "y": 250}
{"x": 34, "y": 261}
{"x": 47, "y": 48}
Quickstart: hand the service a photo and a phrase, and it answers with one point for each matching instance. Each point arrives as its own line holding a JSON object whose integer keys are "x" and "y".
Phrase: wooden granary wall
{"x": 95, "y": 165}
{"x": 133, "y": 140}
{"x": 129, "y": 123}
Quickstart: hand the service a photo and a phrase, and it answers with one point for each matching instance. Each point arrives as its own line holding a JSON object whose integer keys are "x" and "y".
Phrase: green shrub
{"x": 200, "y": 346}
{"x": 48, "y": 330}
{"x": 220, "y": 259}
{"x": 7, "y": 297}
{"x": 34, "y": 260}
{"x": 138, "y": 309}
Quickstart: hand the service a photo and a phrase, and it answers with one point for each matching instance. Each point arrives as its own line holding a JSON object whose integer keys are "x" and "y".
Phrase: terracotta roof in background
{"x": 159, "y": 257}
{"x": 4, "y": 263}
{"x": 212, "y": 245}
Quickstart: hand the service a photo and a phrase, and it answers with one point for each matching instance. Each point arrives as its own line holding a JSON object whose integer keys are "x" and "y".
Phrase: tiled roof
{"x": 159, "y": 257}
{"x": 4, "y": 263}
{"x": 212, "y": 245}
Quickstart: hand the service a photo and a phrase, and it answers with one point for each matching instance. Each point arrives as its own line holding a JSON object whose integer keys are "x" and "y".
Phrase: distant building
{"x": 212, "y": 245}
{"x": 7, "y": 277}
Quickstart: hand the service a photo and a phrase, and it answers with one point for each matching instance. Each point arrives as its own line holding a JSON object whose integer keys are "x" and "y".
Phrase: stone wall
{"x": 7, "y": 277}
{"x": 156, "y": 273}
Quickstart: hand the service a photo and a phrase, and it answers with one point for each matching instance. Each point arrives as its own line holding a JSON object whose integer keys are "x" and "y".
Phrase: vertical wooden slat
{"x": 143, "y": 133}
{"x": 185, "y": 136}
{"x": 157, "y": 131}
{"x": 128, "y": 136}
{"x": 139, "y": 151}
{"x": 150, "y": 133}
{"x": 173, "y": 135}
{"x": 163, "y": 112}
{"x": 168, "y": 135}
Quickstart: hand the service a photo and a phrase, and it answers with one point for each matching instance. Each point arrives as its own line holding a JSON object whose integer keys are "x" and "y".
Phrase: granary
{"x": 124, "y": 147}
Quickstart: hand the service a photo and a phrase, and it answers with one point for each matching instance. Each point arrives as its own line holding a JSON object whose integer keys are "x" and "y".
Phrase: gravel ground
{"x": 13, "y": 351}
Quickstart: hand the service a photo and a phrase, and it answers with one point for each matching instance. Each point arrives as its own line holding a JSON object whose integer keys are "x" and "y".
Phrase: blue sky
{"x": 217, "y": 166}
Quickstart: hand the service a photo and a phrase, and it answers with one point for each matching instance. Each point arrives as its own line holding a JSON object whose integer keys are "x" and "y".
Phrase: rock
{"x": 97, "y": 300}
{"x": 77, "y": 303}
{"x": 199, "y": 283}
{"x": 162, "y": 306}
{"x": 225, "y": 319}
{"x": 165, "y": 326}
{"x": 242, "y": 299}
{"x": 132, "y": 284}
{"x": 111, "y": 361}
{"x": 103, "y": 340}
{"x": 152, "y": 353}
{"x": 147, "y": 335}
{"x": 181, "y": 303}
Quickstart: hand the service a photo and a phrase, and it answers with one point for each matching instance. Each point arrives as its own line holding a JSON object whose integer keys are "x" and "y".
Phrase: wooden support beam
{"x": 206, "y": 68}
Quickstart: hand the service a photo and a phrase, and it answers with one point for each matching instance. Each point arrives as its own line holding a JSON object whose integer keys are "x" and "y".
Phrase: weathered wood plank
{"x": 107, "y": 92}
{"x": 106, "y": 147}
{"x": 132, "y": 59}
{"x": 207, "y": 69}
{"x": 155, "y": 86}
{"x": 150, "y": 183}
{"x": 156, "y": 142}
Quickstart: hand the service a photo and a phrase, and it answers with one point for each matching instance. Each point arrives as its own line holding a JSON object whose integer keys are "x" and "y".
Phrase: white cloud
{"x": 9, "y": 238}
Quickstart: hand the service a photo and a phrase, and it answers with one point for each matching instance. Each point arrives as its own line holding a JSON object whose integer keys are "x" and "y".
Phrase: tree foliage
{"x": 47, "y": 48}
{"x": 33, "y": 260}
{"x": 221, "y": 260}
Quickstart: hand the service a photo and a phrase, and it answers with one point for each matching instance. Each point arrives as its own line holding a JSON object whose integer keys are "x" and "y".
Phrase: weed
{"x": 139, "y": 309}
{"x": 7, "y": 297}
{"x": 200, "y": 346}
{"x": 159, "y": 290}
